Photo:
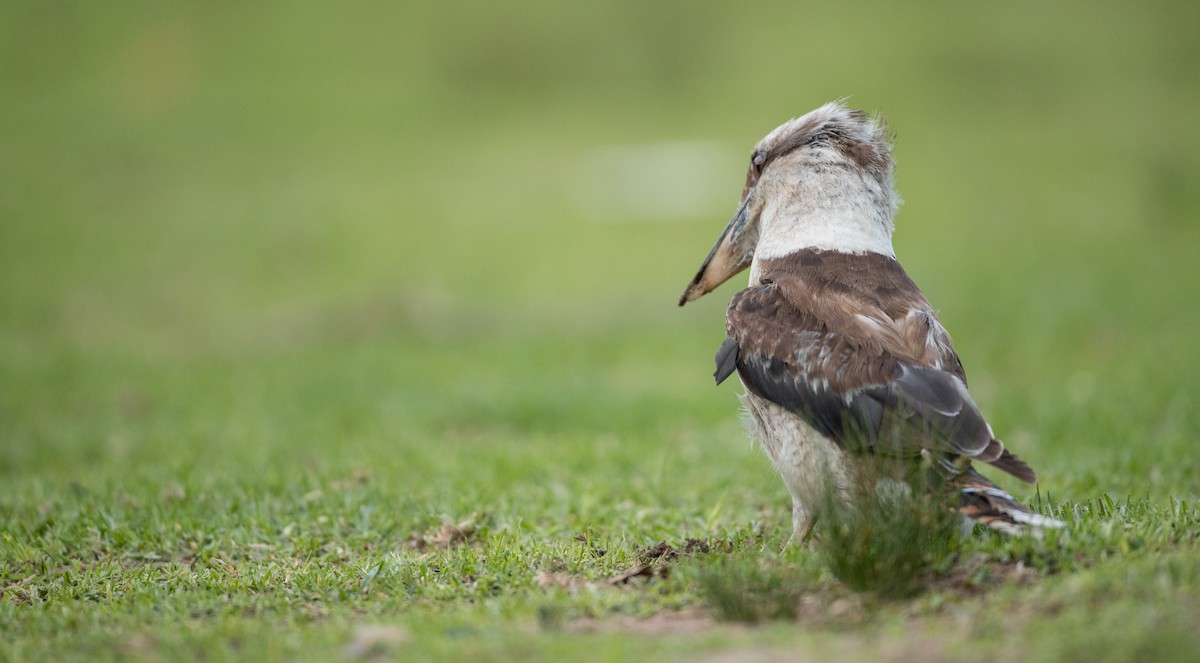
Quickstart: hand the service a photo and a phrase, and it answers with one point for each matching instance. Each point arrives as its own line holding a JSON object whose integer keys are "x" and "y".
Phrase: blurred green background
{"x": 248, "y": 238}
{"x": 282, "y": 284}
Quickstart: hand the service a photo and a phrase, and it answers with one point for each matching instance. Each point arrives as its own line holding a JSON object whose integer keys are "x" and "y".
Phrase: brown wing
{"x": 864, "y": 375}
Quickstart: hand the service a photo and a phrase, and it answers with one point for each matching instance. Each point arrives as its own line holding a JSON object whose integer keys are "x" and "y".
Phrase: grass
{"x": 889, "y": 538}
{"x": 309, "y": 349}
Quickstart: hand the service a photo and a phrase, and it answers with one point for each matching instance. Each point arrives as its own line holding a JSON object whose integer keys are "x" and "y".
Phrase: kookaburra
{"x": 839, "y": 352}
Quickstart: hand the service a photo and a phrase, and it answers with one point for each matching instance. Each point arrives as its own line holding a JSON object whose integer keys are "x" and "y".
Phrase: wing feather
{"x": 863, "y": 377}
{"x": 726, "y": 360}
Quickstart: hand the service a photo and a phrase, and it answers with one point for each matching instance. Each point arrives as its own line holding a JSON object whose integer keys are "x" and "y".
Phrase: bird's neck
{"x": 850, "y": 215}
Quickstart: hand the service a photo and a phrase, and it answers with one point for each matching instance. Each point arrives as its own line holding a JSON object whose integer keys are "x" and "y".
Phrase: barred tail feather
{"x": 984, "y": 502}
{"x": 1009, "y": 462}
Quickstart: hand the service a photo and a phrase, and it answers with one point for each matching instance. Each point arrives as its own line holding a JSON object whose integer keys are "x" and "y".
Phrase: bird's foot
{"x": 802, "y": 532}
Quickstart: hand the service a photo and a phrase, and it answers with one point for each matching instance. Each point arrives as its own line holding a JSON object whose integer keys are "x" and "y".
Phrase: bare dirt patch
{"x": 448, "y": 535}
{"x": 680, "y": 622}
{"x": 655, "y": 561}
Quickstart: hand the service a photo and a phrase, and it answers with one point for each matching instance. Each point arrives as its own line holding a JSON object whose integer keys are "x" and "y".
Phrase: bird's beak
{"x": 725, "y": 260}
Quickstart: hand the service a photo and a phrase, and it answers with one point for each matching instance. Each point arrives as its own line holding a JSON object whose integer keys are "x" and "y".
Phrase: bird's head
{"x": 823, "y": 180}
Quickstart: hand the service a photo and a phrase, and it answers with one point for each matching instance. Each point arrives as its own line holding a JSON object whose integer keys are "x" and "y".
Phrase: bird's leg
{"x": 803, "y": 523}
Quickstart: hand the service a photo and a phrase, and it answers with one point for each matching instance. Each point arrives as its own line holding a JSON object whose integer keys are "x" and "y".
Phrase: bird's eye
{"x": 757, "y": 161}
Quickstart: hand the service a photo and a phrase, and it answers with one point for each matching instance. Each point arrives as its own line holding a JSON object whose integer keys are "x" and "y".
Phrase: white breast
{"x": 809, "y": 463}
